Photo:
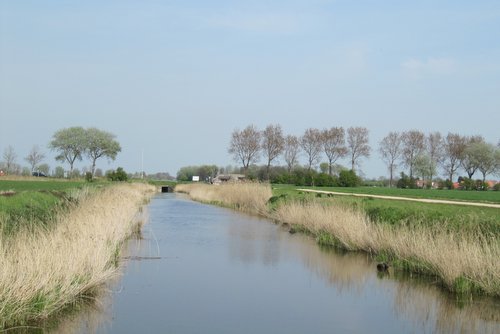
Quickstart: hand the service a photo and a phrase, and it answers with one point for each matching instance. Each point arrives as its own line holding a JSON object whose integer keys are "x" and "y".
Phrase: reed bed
{"x": 250, "y": 197}
{"x": 463, "y": 262}
{"x": 45, "y": 270}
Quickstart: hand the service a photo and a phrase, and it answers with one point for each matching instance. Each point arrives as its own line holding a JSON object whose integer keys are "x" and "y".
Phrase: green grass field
{"x": 458, "y": 195}
{"x": 35, "y": 185}
{"x": 32, "y": 202}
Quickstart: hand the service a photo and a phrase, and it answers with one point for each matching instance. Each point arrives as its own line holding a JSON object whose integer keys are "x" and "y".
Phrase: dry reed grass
{"x": 452, "y": 257}
{"x": 249, "y": 197}
{"x": 44, "y": 271}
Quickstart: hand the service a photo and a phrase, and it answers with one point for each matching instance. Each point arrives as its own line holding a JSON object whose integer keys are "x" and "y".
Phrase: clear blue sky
{"x": 175, "y": 78}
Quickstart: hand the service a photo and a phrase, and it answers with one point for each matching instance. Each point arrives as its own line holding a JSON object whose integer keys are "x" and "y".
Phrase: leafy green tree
{"x": 486, "y": 156}
{"x": 471, "y": 157}
{"x": 99, "y": 144}
{"x": 70, "y": 143}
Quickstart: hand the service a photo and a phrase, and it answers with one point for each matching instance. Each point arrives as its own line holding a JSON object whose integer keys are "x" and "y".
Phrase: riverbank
{"x": 463, "y": 262}
{"x": 45, "y": 270}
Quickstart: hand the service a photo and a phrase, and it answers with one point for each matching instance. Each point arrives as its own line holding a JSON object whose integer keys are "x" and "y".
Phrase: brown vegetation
{"x": 43, "y": 271}
{"x": 248, "y": 197}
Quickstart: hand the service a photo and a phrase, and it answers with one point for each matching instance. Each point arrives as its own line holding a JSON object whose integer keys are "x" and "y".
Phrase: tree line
{"x": 423, "y": 155}
{"x": 71, "y": 145}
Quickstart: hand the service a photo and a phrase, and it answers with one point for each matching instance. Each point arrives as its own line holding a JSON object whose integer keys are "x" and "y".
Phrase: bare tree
{"x": 333, "y": 141}
{"x": 435, "y": 151}
{"x": 471, "y": 159}
{"x": 9, "y": 157}
{"x": 273, "y": 144}
{"x": 390, "y": 150}
{"x": 34, "y": 157}
{"x": 245, "y": 146}
{"x": 291, "y": 151}
{"x": 357, "y": 144}
{"x": 453, "y": 148}
{"x": 413, "y": 145}
{"x": 311, "y": 144}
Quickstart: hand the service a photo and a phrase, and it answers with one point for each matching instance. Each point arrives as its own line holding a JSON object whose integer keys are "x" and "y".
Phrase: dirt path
{"x": 422, "y": 200}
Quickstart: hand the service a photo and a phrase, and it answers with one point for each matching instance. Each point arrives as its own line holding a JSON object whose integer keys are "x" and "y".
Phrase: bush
{"x": 496, "y": 187}
{"x": 118, "y": 175}
{"x": 348, "y": 178}
{"x": 406, "y": 182}
{"x": 88, "y": 177}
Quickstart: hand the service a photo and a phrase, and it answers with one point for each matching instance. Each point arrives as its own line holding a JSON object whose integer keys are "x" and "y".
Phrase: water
{"x": 223, "y": 272}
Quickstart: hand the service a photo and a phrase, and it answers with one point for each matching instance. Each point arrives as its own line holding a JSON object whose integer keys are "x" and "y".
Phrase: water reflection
{"x": 250, "y": 243}
{"x": 239, "y": 246}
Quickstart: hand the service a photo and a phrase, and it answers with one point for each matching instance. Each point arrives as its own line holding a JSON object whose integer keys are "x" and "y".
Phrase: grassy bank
{"x": 46, "y": 270}
{"x": 464, "y": 258}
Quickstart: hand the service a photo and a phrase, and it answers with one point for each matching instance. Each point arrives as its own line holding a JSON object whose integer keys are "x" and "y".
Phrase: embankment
{"x": 43, "y": 271}
{"x": 462, "y": 262}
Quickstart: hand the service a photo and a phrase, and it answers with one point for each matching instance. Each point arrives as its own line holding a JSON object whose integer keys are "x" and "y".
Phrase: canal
{"x": 204, "y": 269}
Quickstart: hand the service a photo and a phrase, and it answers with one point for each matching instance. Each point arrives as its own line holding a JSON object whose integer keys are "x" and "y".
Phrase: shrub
{"x": 348, "y": 178}
{"x": 496, "y": 187}
{"x": 118, "y": 175}
{"x": 406, "y": 182}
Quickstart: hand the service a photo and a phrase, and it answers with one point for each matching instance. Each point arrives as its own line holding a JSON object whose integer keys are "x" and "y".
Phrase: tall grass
{"x": 249, "y": 197}
{"x": 461, "y": 261}
{"x": 45, "y": 270}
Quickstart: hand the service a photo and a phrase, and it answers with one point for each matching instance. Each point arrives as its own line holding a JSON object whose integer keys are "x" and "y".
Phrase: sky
{"x": 173, "y": 79}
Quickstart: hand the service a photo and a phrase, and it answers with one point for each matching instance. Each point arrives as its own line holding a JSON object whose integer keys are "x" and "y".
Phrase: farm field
{"x": 31, "y": 202}
{"x": 457, "y": 195}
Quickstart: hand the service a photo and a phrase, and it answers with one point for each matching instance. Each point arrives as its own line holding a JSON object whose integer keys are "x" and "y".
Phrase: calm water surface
{"x": 223, "y": 272}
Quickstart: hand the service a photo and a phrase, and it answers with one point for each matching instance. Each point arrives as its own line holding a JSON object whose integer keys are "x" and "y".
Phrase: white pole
{"x": 142, "y": 164}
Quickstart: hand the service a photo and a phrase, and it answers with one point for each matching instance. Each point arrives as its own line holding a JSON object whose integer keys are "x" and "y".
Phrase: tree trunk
{"x": 391, "y": 175}
{"x": 93, "y": 167}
